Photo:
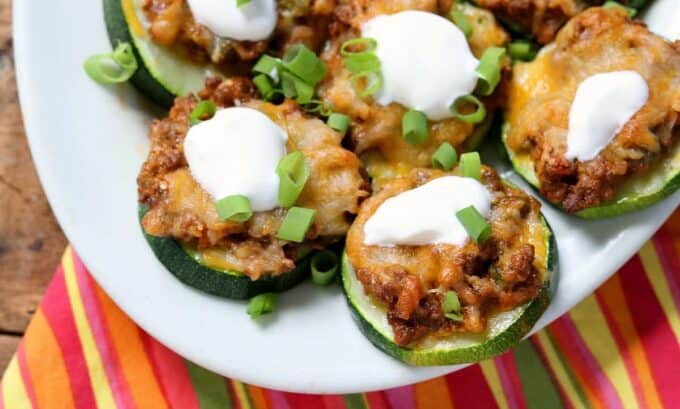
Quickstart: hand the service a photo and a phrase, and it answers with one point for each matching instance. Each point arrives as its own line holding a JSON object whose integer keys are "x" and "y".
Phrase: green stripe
{"x": 355, "y": 401}
{"x": 210, "y": 388}
{"x": 537, "y": 383}
{"x": 567, "y": 369}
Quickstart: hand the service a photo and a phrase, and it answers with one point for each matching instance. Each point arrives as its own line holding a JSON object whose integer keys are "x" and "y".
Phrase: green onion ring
{"x": 375, "y": 81}
{"x": 471, "y": 165}
{"x": 362, "y": 62}
{"x": 445, "y": 157}
{"x": 370, "y": 45}
{"x": 489, "y": 70}
{"x": 235, "y": 208}
{"x": 324, "y": 266}
{"x": 112, "y": 68}
{"x": 293, "y": 174}
{"x": 475, "y": 224}
{"x": 338, "y": 122}
{"x": 203, "y": 110}
{"x": 304, "y": 63}
{"x": 414, "y": 127}
{"x": 472, "y": 118}
{"x": 461, "y": 20}
{"x": 296, "y": 223}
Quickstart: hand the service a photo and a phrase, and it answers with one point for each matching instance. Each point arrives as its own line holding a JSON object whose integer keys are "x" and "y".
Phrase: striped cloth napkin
{"x": 619, "y": 348}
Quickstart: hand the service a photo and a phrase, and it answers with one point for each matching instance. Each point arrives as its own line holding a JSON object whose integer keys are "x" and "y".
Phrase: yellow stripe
{"x": 13, "y": 389}
{"x": 657, "y": 277}
{"x": 592, "y": 326}
{"x": 494, "y": 381}
{"x": 95, "y": 368}
{"x": 241, "y": 394}
{"x": 563, "y": 378}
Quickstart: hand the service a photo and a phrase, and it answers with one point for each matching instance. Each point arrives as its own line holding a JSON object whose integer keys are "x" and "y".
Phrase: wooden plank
{"x": 30, "y": 239}
{"x": 8, "y": 344}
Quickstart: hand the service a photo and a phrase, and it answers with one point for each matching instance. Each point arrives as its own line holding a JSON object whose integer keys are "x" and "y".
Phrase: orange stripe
{"x": 613, "y": 297}
{"x": 46, "y": 365}
{"x": 433, "y": 394}
{"x": 257, "y": 397}
{"x": 134, "y": 361}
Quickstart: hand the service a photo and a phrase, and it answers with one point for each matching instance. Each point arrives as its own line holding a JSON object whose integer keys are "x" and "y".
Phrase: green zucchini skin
{"x": 171, "y": 254}
{"x": 510, "y": 337}
{"x": 142, "y": 79}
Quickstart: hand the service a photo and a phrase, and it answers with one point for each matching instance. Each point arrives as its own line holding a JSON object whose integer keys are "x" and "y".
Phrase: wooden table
{"x": 30, "y": 239}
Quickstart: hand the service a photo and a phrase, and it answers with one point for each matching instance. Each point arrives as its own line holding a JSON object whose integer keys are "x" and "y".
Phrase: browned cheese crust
{"x": 299, "y": 22}
{"x": 410, "y": 280}
{"x": 376, "y": 128}
{"x": 542, "y": 92}
{"x": 180, "y": 208}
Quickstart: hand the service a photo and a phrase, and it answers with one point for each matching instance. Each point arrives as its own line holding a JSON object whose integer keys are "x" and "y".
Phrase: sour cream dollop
{"x": 663, "y": 18}
{"x": 427, "y": 214}
{"x": 251, "y": 22}
{"x": 236, "y": 153}
{"x": 425, "y": 59}
{"x": 602, "y": 106}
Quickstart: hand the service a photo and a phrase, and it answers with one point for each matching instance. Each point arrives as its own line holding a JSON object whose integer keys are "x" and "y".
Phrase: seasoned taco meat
{"x": 300, "y": 21}
{"x": 180, "y": 208}
{"x": 410, "y": 281}
{"x": 376, "y": 130}
{"x": 542, "y": 92}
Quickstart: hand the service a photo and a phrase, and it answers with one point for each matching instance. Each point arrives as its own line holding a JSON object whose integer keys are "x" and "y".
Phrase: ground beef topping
{"x": 410, "y": 281}
{"x": 180, "y": 208}
{"x": 542, "y": 92}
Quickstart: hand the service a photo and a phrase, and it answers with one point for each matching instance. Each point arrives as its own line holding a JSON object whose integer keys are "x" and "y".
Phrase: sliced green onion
{"x": 293, "y": 173}
{"x": 262, "y": 304}
{"x": 203, "y": 110}
{"x": 445, "y": 157}
{"x": 296, "y": 88}
{"x": 323, "y": 108}
{"x": 302, "y": 62}
{"x": 414, "y": 127}
{"x": 324, "y": 267}
{"x": 264, "y": 86}
{"x": 362, "y": 62}
{"x": 460, "y": 20}
{"x": 112, "y": 68}
{"x": 373, "y": 79}
{"x": 240, "y": 3}
{"x": 522, "y": 50}
{"x": 474, "y": 117}
{"x": 475, "y": 224}
{"x": 452, "y": 306}
{"x": 489, "y": 70}
{"x": 368, "y": 45}
{"x": 268, "y": 66}
{"x": 338, "y": 122}
{"x": 610, "y": 4}
{"x": 471, "y": 165}
{"x": 235, "y": 208}
{"x": 295, "y": 224}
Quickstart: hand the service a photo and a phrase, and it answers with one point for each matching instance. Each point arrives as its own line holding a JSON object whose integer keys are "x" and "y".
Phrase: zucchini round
{"x": 640, "y": 191}
{"x": 226, "y": 284}
{"x": 506, "y": 329}
{"x": 162, "y": 75}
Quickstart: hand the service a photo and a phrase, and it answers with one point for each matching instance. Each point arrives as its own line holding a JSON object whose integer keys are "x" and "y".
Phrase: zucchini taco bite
{"x": 448, "y": 267}
{"x": 236, "y": 192}
{"x": 593, "y": 122}
{"x": 178, "y": 42}
{"x": 412, "y": 76}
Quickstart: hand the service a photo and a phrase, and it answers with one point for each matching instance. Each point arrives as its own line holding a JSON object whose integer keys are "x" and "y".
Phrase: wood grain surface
{"x": 31, "y": 242}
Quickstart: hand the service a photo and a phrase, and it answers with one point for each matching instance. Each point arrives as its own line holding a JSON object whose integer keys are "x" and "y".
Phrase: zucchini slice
{"x": 506, "y": 329}
{"x": 228, "y": 284}
{"x": 162, "y": 74}
{"x": 639, "y": 191}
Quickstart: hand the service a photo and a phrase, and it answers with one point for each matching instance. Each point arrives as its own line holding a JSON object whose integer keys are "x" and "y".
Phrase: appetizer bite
{"x": 541, "y": 19}
{"x": 593, "y": 121}
{"x": 412, "y": 76}
{"x": 237, "y": 191}
{"x": 178, "y": 42}
{"x": 448, "y": 267}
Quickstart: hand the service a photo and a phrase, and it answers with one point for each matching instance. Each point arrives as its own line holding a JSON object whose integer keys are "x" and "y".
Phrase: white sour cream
{"x": 425, "y": 61}
{"x": 427, "y": 214}
{"x": 602, "y": 106}
{"x": 236, "y": 153}
{"x": 663, "y": 18}
{"x": 251, "y": 22}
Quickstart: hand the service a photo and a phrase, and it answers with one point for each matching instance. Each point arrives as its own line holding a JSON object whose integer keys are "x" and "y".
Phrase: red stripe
{"x": 26, "y": 375}
{"x": 655, "y": 332}
{"x": 512, "y": 384}
{"x": 376, "y": 400}
{"x": 277, "y": 398}
{"x": 95, "y": 316}
{"x": 401, "y": 398}
{"x": 462, "y": 382}
{"x": 302, "y": 401}
{"x": 2, "y": 399}
{"x": 172, "y": 374}
{"x": 231, "y": 391}
{"x": 59, "y": 315}
{"x": 334, "y": 402}
{"x": 623, "y": 348}
{"x": 670, "y": 262}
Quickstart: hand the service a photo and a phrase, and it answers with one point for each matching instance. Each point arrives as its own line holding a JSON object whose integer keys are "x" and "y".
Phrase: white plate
{"x": 88, "y": 143}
